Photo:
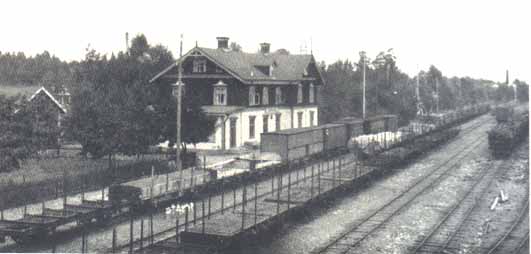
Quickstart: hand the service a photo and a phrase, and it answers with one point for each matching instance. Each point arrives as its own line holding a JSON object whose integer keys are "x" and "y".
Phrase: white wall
{"x": 242, "y": 124}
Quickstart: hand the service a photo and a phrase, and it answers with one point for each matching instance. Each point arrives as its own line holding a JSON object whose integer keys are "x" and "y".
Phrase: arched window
{"x": 220, "y": 93}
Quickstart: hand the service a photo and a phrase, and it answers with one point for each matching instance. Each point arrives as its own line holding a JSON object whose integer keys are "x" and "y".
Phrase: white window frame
{"x": 265, "y": 95}
{"x": 220, "y": 91}
{"x": 300, "y": 96}
{"x": 312, "y": 93}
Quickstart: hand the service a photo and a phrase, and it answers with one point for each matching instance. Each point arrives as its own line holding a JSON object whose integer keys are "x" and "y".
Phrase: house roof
{"x": 50, "y": 96}
{"x": 245, "y": 66}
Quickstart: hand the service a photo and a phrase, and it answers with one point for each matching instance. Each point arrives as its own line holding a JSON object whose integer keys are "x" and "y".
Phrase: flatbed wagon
{"x": 34, "y": 226}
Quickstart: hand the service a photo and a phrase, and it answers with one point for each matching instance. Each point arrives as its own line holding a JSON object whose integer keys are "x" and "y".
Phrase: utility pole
{"x": 437, "y": 95}
{"x": 177, "y": 92}
{"x": 362, "y": 56}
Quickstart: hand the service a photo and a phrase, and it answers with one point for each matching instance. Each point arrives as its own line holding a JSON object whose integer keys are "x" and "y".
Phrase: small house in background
{"x": 59, "y": 103}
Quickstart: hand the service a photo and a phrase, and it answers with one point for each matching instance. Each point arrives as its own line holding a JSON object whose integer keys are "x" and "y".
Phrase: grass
{"x": 46, "y": 178}
{"x": 10, "y": 90}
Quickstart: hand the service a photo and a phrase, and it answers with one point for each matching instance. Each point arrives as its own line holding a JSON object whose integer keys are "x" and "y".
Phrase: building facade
{"x": 248, "y": 93}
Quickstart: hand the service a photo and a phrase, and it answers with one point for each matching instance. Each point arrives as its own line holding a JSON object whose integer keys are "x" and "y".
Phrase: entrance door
{"x": 233, "y": 132}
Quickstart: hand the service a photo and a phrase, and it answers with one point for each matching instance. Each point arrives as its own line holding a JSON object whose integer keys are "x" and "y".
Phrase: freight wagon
{"x": 381, "y": 123}
{"x": 294, "y": 144}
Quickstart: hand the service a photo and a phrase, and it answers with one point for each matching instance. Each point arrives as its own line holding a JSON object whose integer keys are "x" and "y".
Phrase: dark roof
{"x": 285, "y": 67}
{"x": 245, "y": 66}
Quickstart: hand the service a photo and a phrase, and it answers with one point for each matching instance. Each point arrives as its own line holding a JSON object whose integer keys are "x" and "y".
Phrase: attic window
{"x": 199, "y": 66}
{"x": 265, "y": 69}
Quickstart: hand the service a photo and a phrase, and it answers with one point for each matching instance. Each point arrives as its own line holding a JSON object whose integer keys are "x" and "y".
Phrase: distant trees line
{"x": 391, "y": 91}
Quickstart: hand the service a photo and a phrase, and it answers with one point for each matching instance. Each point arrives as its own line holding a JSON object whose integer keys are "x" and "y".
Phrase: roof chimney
{"x": 223, "y": 42}
{"x": 264, "y": 47}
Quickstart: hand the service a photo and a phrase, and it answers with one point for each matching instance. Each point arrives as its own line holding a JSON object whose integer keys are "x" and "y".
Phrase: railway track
{"x": 445, "y": 231}
{"x": 352, "y": 237}
{"x": 170, "y": 233}
{"x": 516, "y": 237}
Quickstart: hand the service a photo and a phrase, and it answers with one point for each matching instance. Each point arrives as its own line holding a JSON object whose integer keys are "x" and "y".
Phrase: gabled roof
{"x": 243, "y": 66}
{"x": 50, "y": 96}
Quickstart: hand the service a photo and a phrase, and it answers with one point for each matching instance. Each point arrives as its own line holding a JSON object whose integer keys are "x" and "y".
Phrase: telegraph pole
{"x": 362, "y": 56}
{"x": 437, "y": 95}
{"x": 177, "y": 93}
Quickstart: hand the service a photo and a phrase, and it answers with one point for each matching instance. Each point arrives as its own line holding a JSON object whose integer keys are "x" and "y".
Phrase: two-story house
{"x": 249, "y": 93}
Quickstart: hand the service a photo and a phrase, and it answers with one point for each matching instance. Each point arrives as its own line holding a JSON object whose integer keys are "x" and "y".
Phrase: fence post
{"x": 25, "y": 203}
{"x": 167, "y": 180}
{"x": 114, "y": 240}
{"x": 203, "y": 216}
{"x": 83, "y": 180}
{"x": 141, "y": 233}
{"x": 131, "y": 235}
{"x": 278, "y": 192}
{"x": 311, "y": 184}
{"x": 177, "y": 238}
{"x": 195, "y": 213}
{"x": 192, "y": 176}
{"x": 289, "y": 189}
{"x": 186, "y": 219}
{"x": 204, "y": 168}
{"x": 255, "y": 201}
{"x": 83, "y": 241}
{"x": 243, "y": 206}
{"x": 334, "y": 173}
{"x": 209, "y": 203}
{"x": 273, "y": 181}
{"x": 233, "y": 198}
{"x": 222, "y": 197}
{"x": 319, "y": 179}
{"x": 151, "y": 228}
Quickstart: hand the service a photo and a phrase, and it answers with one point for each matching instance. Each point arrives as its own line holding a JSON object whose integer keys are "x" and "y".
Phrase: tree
{"x": 234, "y": 46}
{"x": 15, "y": 137}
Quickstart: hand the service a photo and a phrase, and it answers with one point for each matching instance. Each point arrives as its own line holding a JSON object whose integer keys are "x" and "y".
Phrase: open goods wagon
{"x": 293, "y": 144}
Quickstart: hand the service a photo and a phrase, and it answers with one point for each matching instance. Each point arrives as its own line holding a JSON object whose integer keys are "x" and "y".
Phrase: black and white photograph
{"x": 264, "y": 127}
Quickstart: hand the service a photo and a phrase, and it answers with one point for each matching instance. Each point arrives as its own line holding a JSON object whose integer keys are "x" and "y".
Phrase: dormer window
{"x": 220, "y": 93}
{"x": 265, "y": 69}
{"x": 299, "y": 93}
{"x": 254, "y": 96}
{"x": 199, "y": 66}
{"x": 305, "y": 73}
{"x": 312, "y": 93}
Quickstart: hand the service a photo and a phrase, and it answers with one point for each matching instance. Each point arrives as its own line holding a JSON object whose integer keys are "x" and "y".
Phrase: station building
{"x": 249, "y": 93}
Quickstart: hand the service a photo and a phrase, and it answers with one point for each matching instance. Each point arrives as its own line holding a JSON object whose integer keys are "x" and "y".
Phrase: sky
{"x": 480, "y": 39}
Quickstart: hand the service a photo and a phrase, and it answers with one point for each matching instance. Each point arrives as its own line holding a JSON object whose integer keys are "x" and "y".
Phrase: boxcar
{"x": 380, "y": 123}
{"x": 297, "y": 143}
{"x": 354, "y": 126}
